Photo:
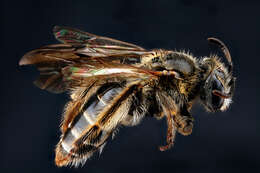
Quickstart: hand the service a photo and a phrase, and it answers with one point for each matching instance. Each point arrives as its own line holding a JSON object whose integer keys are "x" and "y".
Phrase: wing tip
{"x": 24, "y": 61}
{"x": 28, "y": 58}
{"x": 56, "y": 28}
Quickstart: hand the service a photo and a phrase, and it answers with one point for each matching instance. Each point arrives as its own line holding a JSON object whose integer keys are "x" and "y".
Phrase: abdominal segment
{"x": 90, "y": 129}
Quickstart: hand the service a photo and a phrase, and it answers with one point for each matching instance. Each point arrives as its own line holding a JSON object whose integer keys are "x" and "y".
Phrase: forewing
{"x": 96, "y": 46}
{"x": 51, "y": 54}
{"x": 82, "y": 58}
{"x": 64, "y": 66}
{"x": 75, "y": 36}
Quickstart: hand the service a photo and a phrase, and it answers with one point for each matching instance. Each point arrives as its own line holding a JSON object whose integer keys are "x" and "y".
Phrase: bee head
{"x": 218, "y": 86}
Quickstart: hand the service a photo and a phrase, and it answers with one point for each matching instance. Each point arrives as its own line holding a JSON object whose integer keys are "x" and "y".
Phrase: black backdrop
{"x": 220, "y": 142}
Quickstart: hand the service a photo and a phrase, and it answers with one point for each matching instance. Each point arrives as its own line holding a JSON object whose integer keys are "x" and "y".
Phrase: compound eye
{"x": 217, "y": 101}
{"x": 220, "y": 73}
{"x": 217, "y": 85}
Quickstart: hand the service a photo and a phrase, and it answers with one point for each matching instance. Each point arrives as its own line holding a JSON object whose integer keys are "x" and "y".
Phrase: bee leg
{"x": 185, "y": 124}
{"x": 171, "y": 133}
{"x": 183, "y": 120}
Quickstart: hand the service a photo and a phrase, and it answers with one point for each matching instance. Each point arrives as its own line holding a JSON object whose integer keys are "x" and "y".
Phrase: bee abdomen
{"x": 74, "y": 150}
{"x": 85, "y": 135}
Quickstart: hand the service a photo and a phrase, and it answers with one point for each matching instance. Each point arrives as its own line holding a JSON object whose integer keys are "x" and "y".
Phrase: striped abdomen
{"x": 90, "y": 128}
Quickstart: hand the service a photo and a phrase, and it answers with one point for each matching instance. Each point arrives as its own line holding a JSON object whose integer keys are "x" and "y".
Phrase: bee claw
{"x": 166, "y": 147}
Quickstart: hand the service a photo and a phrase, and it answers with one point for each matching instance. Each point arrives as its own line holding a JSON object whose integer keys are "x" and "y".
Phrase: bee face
{"x": 218, "y": 88}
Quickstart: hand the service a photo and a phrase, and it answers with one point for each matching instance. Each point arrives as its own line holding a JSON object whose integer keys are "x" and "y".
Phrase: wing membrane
{"x": 50, "y": 54}
{"x": 96, "y": 46}
{"x": 74, "y": 36}
{"x": 63, "y": 67}
{"x": 85, "y": 57}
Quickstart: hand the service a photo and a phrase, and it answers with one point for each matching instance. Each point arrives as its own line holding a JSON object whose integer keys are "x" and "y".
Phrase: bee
{"x": 113, "y": 83}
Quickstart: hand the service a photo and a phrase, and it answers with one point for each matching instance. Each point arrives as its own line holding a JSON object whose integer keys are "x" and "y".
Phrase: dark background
{"x": 220, "y": 142}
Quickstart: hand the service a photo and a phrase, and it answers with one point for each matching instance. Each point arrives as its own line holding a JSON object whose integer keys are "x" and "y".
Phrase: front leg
{"x": 184, "y": 121}
{"x": 178, "y": 118}
{"x": 176, "y": 122}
